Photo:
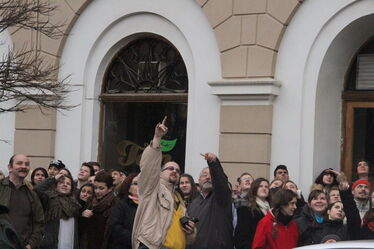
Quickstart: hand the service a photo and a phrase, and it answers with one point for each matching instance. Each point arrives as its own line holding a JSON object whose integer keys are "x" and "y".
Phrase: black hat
{"x": 329, "y": 237}
{"x": 281, "y": 166}
{"x": 57, "y": 163}
{"x": 122, "y": 170}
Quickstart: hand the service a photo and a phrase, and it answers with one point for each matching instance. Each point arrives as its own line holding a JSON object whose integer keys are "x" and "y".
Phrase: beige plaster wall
{"x": 35, "y": 128}
{"x": 35, "y": 135}
{"x": 245, "y": 141}
{"x": 248, "y": 34}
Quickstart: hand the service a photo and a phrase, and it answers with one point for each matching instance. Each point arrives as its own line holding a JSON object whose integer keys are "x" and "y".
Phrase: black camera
{"x": 184, "y": 220}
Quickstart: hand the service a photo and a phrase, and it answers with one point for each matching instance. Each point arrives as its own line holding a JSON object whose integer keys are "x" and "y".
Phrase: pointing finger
{"x": 164, "y": 120}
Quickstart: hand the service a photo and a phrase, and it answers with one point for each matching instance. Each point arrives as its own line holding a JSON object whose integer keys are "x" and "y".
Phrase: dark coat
{"x": 36, "y": 228}
{"x": 52, "y": 227}
{"x": 308, "y": 228}
{"x": 120, "y": 225}
{"x": 349, "y": 231}
{"x": 312, "y": 232}
{"x": 366, "y": 233}
{"x": 246, "y": 227}
{"x": 96, "y": 226}
{"x": 215, "y": 228}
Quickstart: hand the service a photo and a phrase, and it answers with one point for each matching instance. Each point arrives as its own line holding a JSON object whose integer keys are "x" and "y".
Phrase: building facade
{"x": 269, "y": 82}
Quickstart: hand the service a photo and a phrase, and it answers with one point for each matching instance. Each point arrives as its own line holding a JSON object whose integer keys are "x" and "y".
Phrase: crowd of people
{"x": 162, "y": 208}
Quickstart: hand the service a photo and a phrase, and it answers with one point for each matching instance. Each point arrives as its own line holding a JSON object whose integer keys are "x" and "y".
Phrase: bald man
{"x": 25, "y": 210}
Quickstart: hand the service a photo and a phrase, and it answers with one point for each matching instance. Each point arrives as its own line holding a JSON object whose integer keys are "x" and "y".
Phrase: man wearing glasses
{"x": 157, "y": 221}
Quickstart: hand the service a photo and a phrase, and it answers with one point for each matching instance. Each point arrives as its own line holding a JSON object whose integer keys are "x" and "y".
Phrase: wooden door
{"x": 358, "y": 134}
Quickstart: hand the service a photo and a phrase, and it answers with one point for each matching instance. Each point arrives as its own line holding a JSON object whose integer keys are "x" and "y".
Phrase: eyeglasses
{"x": 171, "y": 168}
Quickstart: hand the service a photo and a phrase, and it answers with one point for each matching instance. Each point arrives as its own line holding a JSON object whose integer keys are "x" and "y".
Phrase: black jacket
{"x": 121, "y": 222}
{"x": 246, "y": 227}
{"x": 309, "y": 229}
{"x": 311, "y": 232}
{"x": 215, "y": 228}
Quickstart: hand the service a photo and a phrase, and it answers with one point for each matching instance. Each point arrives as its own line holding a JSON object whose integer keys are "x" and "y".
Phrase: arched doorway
{"x": 312, "y": 67}
{"x": 145, "y": 81}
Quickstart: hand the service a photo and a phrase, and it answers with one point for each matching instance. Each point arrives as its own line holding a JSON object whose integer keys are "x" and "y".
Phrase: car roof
{"x": 356, "y": 244}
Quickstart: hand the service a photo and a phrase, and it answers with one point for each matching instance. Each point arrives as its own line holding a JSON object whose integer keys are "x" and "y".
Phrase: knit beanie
{"x": 361, "y": 181}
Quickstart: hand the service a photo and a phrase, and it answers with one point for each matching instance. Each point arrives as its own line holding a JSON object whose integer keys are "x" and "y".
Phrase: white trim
{"x": 260, "y": 91}
{"x": 100, "y": 31}
{"x": 314, "y": 55}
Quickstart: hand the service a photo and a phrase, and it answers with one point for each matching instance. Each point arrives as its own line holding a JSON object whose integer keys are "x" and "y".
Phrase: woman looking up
{"x": 61, "y": 211}
{"x": 249, "y": 216}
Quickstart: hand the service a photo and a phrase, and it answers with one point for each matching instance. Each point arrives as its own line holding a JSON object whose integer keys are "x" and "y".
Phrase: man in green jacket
{"x": 25, "y": 210}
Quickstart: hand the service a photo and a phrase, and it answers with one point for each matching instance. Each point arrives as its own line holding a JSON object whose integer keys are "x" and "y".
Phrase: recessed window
{"x": 145, "y": 81}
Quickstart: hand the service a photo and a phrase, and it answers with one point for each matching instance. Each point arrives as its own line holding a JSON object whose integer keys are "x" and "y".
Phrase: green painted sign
{"x": 168, "y": 145}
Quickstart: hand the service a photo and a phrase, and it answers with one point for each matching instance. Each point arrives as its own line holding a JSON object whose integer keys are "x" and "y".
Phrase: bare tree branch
{"x": 25, "y": 75}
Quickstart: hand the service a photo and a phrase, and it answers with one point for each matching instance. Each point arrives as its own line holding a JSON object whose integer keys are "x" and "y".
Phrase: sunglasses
{"x": 171, "y": 168}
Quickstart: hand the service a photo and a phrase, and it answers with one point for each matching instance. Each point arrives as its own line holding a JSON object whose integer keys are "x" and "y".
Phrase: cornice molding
{"x": 257, "y": 91}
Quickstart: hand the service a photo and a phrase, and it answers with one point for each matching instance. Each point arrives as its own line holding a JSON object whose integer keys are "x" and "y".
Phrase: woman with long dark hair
{"x": 123, "y": 213}
{"x": 249, "y": 216}
{"x": 84, "y": 194}
{"x": 335, "y": 214}
{"x": 187, "y": 188}
{"x": 61, "y": 211}
{"x": 277, "y": 230}
{"x": 38, "y": 175}
{"x": 326, "y": 180}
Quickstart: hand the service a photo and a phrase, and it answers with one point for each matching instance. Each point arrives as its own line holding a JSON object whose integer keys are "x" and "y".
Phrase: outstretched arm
{"x": 219, "y": 180}
{"x": 150, "y": 163}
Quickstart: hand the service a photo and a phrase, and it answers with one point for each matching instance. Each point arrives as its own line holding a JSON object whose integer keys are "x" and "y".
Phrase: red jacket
{"x": 286, "y": 239}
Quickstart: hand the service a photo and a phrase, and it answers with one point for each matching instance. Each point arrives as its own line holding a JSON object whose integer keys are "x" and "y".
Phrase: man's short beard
{"x": 171, "y": 180}
{"x": 207, "y": 187}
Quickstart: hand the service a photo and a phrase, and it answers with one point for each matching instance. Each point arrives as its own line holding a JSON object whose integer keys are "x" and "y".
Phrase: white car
{"x": 357, "y": 244}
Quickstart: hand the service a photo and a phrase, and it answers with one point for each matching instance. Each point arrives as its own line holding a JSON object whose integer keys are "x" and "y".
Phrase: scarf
{"x": 284, "y": 219}
{"x": 103, "y": 205}
{"x": 61, "y": 206}
{"x": 318, "y": 219}
{"x": 263, "y": 205}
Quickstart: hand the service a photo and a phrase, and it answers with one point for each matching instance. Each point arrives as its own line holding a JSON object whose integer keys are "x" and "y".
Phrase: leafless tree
{"x": 26, "y": 77}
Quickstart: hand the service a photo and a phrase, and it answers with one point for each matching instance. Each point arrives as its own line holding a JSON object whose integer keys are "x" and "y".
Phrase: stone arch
{"x": 311, "y": 66}
{"x": 107, "y": 27}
